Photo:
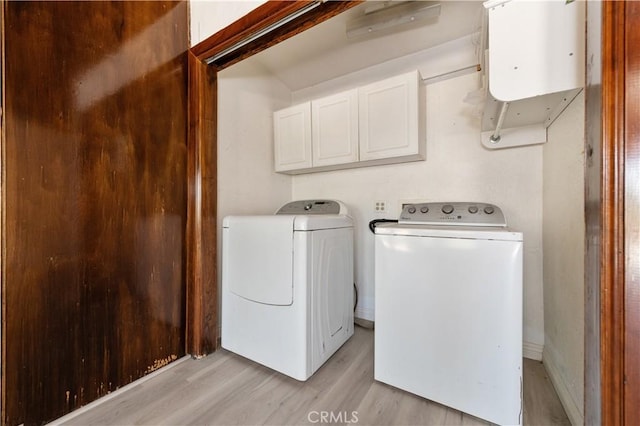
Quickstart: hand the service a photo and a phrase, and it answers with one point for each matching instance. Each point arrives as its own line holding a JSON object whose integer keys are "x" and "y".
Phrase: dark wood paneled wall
{"x": 95, "y": 198}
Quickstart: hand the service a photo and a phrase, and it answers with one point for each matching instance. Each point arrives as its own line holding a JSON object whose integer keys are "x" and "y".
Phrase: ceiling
{"x": 324, "y": 51}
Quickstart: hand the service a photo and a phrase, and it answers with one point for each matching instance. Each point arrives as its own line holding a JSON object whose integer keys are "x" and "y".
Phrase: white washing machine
{"x": 448, "y": 300}
{"x": 287, "y": 285}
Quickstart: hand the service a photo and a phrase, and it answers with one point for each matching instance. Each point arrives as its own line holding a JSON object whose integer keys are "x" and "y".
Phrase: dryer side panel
{"x": 331, "y": 277}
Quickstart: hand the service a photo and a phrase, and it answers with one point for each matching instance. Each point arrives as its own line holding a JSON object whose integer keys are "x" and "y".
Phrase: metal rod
{"x": 451, "y": 74}
{"x": 495, "y": 137}
{"x": 264, "y": 31}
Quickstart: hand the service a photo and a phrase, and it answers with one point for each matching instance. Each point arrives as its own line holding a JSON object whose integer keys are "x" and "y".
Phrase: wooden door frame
{"x": 611, "y": 212}
{"x": 201, "y": 236}
{"x": 611, "y": 234}
{"x": 631, "y": 319}
{"x": 619, "y": 239}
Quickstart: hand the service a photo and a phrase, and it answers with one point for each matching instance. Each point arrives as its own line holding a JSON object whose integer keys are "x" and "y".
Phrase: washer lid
{"x": 465, "y": 232}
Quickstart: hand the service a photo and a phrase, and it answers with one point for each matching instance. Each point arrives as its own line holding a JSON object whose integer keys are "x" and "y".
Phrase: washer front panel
{"x": 449, "y": 321}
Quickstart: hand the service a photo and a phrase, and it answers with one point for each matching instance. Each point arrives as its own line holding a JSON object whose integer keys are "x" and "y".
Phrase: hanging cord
{"x": 355, "y": 292}
{"x": 375, "y": 222}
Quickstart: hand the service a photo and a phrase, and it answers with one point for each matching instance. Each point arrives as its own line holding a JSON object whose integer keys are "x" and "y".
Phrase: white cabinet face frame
{"x": 292, "y": 137}
{"x": 388, "y": 117}
{"x": 334, "y": 126}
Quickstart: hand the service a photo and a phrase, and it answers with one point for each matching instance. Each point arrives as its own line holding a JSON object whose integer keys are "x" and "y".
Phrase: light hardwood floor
{"x": 226, "y": 389}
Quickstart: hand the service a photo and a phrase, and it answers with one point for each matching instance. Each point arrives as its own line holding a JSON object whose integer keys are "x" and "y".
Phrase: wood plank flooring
{"x": 226, "y": 389}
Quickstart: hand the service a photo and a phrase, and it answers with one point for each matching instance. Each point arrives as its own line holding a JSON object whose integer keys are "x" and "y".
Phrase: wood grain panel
{"x": 94, "y": 268}
{"x": 632, "y": 215}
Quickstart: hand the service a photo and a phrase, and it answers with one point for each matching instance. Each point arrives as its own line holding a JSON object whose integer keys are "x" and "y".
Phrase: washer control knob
{"x": 473, "y": 209}
{"x": 447, "y": 209}
{"x": 411, "y": 210}
{"x": 488, "y": 209}
{"x": 308, "y": 206}
{"x": 424, "y": 209}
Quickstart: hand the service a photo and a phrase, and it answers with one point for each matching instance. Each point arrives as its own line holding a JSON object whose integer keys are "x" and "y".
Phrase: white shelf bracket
{"x": 495, "y": 137}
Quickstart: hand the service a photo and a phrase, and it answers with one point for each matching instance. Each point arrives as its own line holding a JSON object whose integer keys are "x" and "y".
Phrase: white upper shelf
{"x": 535, "y": 64}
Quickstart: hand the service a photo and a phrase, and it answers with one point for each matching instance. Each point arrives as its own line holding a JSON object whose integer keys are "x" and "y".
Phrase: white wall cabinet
{"x": 380, "y": 123}
{"x": 334, "y": 124}
{"x": 388, "y": 117}
{"x": 292, "y": 138}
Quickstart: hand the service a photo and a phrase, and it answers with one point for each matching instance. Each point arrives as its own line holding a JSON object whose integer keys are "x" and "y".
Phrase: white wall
{"x": 457, "y": 168}
{"x": 207, "y": 17}
{"x": 563, "y": 236}
{"x": 436, "y": 61}
{"x": 247, "y": 184}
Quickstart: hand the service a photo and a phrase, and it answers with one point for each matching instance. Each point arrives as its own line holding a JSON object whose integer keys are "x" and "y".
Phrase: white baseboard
{"x": 365, "y": 313}
{"x": 532, "y": 351}
{"x": 576, "y": 416}
{"x": 116, "y": 392}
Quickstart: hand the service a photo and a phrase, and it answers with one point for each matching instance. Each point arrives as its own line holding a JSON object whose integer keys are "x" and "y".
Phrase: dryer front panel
{"x": 258, "y": 258}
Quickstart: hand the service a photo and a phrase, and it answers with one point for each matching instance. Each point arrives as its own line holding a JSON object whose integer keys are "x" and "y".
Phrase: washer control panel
{"x": 312, "y": 207}
{"x": 463, "y": 214}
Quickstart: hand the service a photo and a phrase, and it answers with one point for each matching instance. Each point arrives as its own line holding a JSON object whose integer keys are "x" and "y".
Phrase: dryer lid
{"x": 313, "y": 207}
{"x": 314, "y": 215}
{"x": 316, "y": 223}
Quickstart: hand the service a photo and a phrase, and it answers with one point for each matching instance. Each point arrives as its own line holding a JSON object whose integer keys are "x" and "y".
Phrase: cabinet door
{"x": 292, "y": 137}
{"x": 335, "y": 129}
{"x": 388, "y": 115}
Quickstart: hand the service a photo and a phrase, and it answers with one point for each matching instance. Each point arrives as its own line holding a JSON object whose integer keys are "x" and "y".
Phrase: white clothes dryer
{"x": 448, "y": 318}
{"x": 287, "y": 285}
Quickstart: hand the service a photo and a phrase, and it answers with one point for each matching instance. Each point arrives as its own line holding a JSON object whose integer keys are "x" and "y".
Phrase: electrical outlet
{"x": 380, "y": 207}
